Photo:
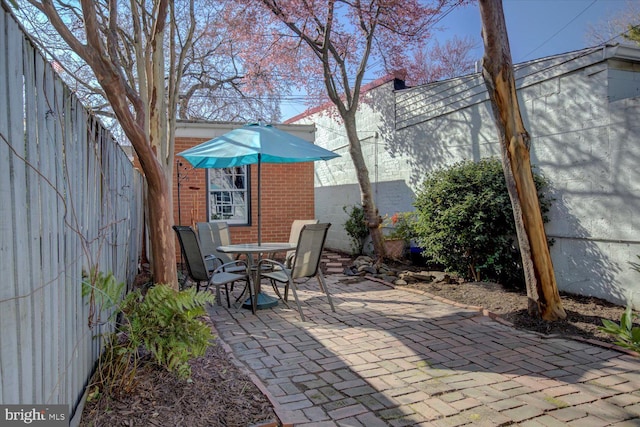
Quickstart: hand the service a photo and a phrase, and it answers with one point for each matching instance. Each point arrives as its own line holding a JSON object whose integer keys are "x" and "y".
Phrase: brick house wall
{"x": 287, "y": 194}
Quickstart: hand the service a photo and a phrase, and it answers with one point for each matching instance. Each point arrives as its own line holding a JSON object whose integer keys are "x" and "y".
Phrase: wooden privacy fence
{"x": 70, "y": 201}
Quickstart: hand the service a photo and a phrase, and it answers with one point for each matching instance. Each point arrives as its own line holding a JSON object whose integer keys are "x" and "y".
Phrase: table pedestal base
{"x": 263, "y": 301}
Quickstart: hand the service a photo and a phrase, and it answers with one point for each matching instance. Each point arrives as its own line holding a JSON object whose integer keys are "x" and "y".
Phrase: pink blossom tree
{"x": 331, "y": 45}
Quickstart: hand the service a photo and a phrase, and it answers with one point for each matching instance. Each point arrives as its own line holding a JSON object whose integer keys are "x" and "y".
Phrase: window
{"x": 229, "y": 195}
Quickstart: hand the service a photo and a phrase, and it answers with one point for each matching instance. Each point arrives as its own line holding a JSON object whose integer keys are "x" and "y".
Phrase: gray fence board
{"x": 7, "y": 342}
{"x": 10, "y": 310}
{"x": 34, "y": 215}
{"x": 48, "y": 204}
{"x": 19, "y": 202}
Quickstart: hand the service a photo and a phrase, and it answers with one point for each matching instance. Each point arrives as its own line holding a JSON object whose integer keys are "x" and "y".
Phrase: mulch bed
{"x": 218, "y": 394}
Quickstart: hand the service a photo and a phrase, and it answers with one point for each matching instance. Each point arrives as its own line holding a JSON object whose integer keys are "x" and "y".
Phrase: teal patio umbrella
{"x": 254, "y": 144}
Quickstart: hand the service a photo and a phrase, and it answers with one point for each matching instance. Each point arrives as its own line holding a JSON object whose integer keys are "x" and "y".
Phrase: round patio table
{"x": 251, "y": 249}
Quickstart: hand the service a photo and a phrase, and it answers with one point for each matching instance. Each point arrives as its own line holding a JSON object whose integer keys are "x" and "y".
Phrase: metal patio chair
{"x": 198, "y": 270}
{"x": 214, "y": 234}
{"x": 306, "y": 264}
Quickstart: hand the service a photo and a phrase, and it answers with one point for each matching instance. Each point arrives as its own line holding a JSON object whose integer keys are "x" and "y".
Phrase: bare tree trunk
{"x": 368, "y": 204}
{"x": 542, "y": 291}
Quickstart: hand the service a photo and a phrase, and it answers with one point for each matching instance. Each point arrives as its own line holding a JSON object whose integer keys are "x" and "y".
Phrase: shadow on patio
{"x": 392, "y": 357}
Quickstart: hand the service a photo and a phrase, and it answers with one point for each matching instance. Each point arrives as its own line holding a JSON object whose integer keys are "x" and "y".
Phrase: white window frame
{"x": 229, "y": 195}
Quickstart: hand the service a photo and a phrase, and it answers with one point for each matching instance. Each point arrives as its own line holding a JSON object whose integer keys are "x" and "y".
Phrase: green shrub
{"x": 356, "y": 227}
{"x": 465, "y": 221}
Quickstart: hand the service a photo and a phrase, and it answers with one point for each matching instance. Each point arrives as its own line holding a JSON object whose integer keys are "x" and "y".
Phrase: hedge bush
{"x": 465, "y": 221}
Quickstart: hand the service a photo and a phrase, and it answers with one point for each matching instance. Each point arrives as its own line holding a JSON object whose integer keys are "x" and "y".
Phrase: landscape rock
{"x": 366, "y": 265}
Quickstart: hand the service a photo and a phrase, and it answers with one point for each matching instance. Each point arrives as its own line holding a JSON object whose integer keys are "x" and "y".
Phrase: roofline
{"x": 622, "y": 52}
{"x": 371, "y": 85}
{"x": 609, "y": 51}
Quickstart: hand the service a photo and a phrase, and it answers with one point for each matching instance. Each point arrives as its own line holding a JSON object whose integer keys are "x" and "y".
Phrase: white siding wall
{"x": 586, "y": 145}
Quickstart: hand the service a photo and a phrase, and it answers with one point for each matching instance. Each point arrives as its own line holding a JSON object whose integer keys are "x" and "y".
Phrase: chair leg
{"x": 247, "y": 287}
{"x": 277, "y": 291}
{"x": 295, "y": 296}
{"x": 218, "y": 295}
{"x": 226, "y": 289}
{"x": 241, "y": 297}
{"x": 323, "y": 287}
{"x": 252, "y": 297}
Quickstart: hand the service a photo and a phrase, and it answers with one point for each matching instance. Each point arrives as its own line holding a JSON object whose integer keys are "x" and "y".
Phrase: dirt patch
{"x": 584, "y": 314}
{"x": 219, "y": 393}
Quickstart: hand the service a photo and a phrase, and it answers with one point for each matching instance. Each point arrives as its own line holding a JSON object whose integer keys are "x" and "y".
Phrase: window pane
{"x": 228, "y": 195}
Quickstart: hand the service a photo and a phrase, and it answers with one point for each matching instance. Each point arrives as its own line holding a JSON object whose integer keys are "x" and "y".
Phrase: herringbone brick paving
{"x": 391, "y": 357}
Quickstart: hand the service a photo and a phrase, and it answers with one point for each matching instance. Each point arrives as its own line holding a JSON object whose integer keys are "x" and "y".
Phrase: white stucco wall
{"x": 582, "y": 111}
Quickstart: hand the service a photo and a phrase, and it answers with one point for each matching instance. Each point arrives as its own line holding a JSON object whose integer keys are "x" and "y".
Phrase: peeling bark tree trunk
{"x": 366, "y": 194}
{"x": 497, "y": 70}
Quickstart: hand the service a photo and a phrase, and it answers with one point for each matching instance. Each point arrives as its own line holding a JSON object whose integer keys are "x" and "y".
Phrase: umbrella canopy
{"x": 254, "y": 144}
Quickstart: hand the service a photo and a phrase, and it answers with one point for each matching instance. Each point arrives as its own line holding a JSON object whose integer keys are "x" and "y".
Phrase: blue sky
{"x": 536, "y": 28}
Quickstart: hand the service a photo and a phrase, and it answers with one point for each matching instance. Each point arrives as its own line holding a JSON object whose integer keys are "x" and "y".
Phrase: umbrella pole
{"x": 178, "y": 165}
{"x": 259, "y": 208}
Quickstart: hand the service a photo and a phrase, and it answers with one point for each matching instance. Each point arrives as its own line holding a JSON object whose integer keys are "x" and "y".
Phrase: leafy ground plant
{"x": 162, "y": 326}
{"x": 165, "y": 322}
{"x": 628, "y": 335}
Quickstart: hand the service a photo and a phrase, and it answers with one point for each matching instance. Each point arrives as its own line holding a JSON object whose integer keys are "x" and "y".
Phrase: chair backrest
{"x": 212, "y": 235}
{"x": 296, "y": 227}
{"x": 190, "y": 247}
{"x": 309, "y": 250}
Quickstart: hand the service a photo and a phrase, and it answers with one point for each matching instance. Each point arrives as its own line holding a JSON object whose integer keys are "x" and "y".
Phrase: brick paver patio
{"x": 391, "y": 357}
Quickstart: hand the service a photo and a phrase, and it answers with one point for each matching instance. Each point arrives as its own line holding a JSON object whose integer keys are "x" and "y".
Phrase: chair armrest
{"x": 236, "y": 263}
{"x": 270, "y": 264}
{"x": 215, "y": 260}
{"x": 289, "y": 259}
